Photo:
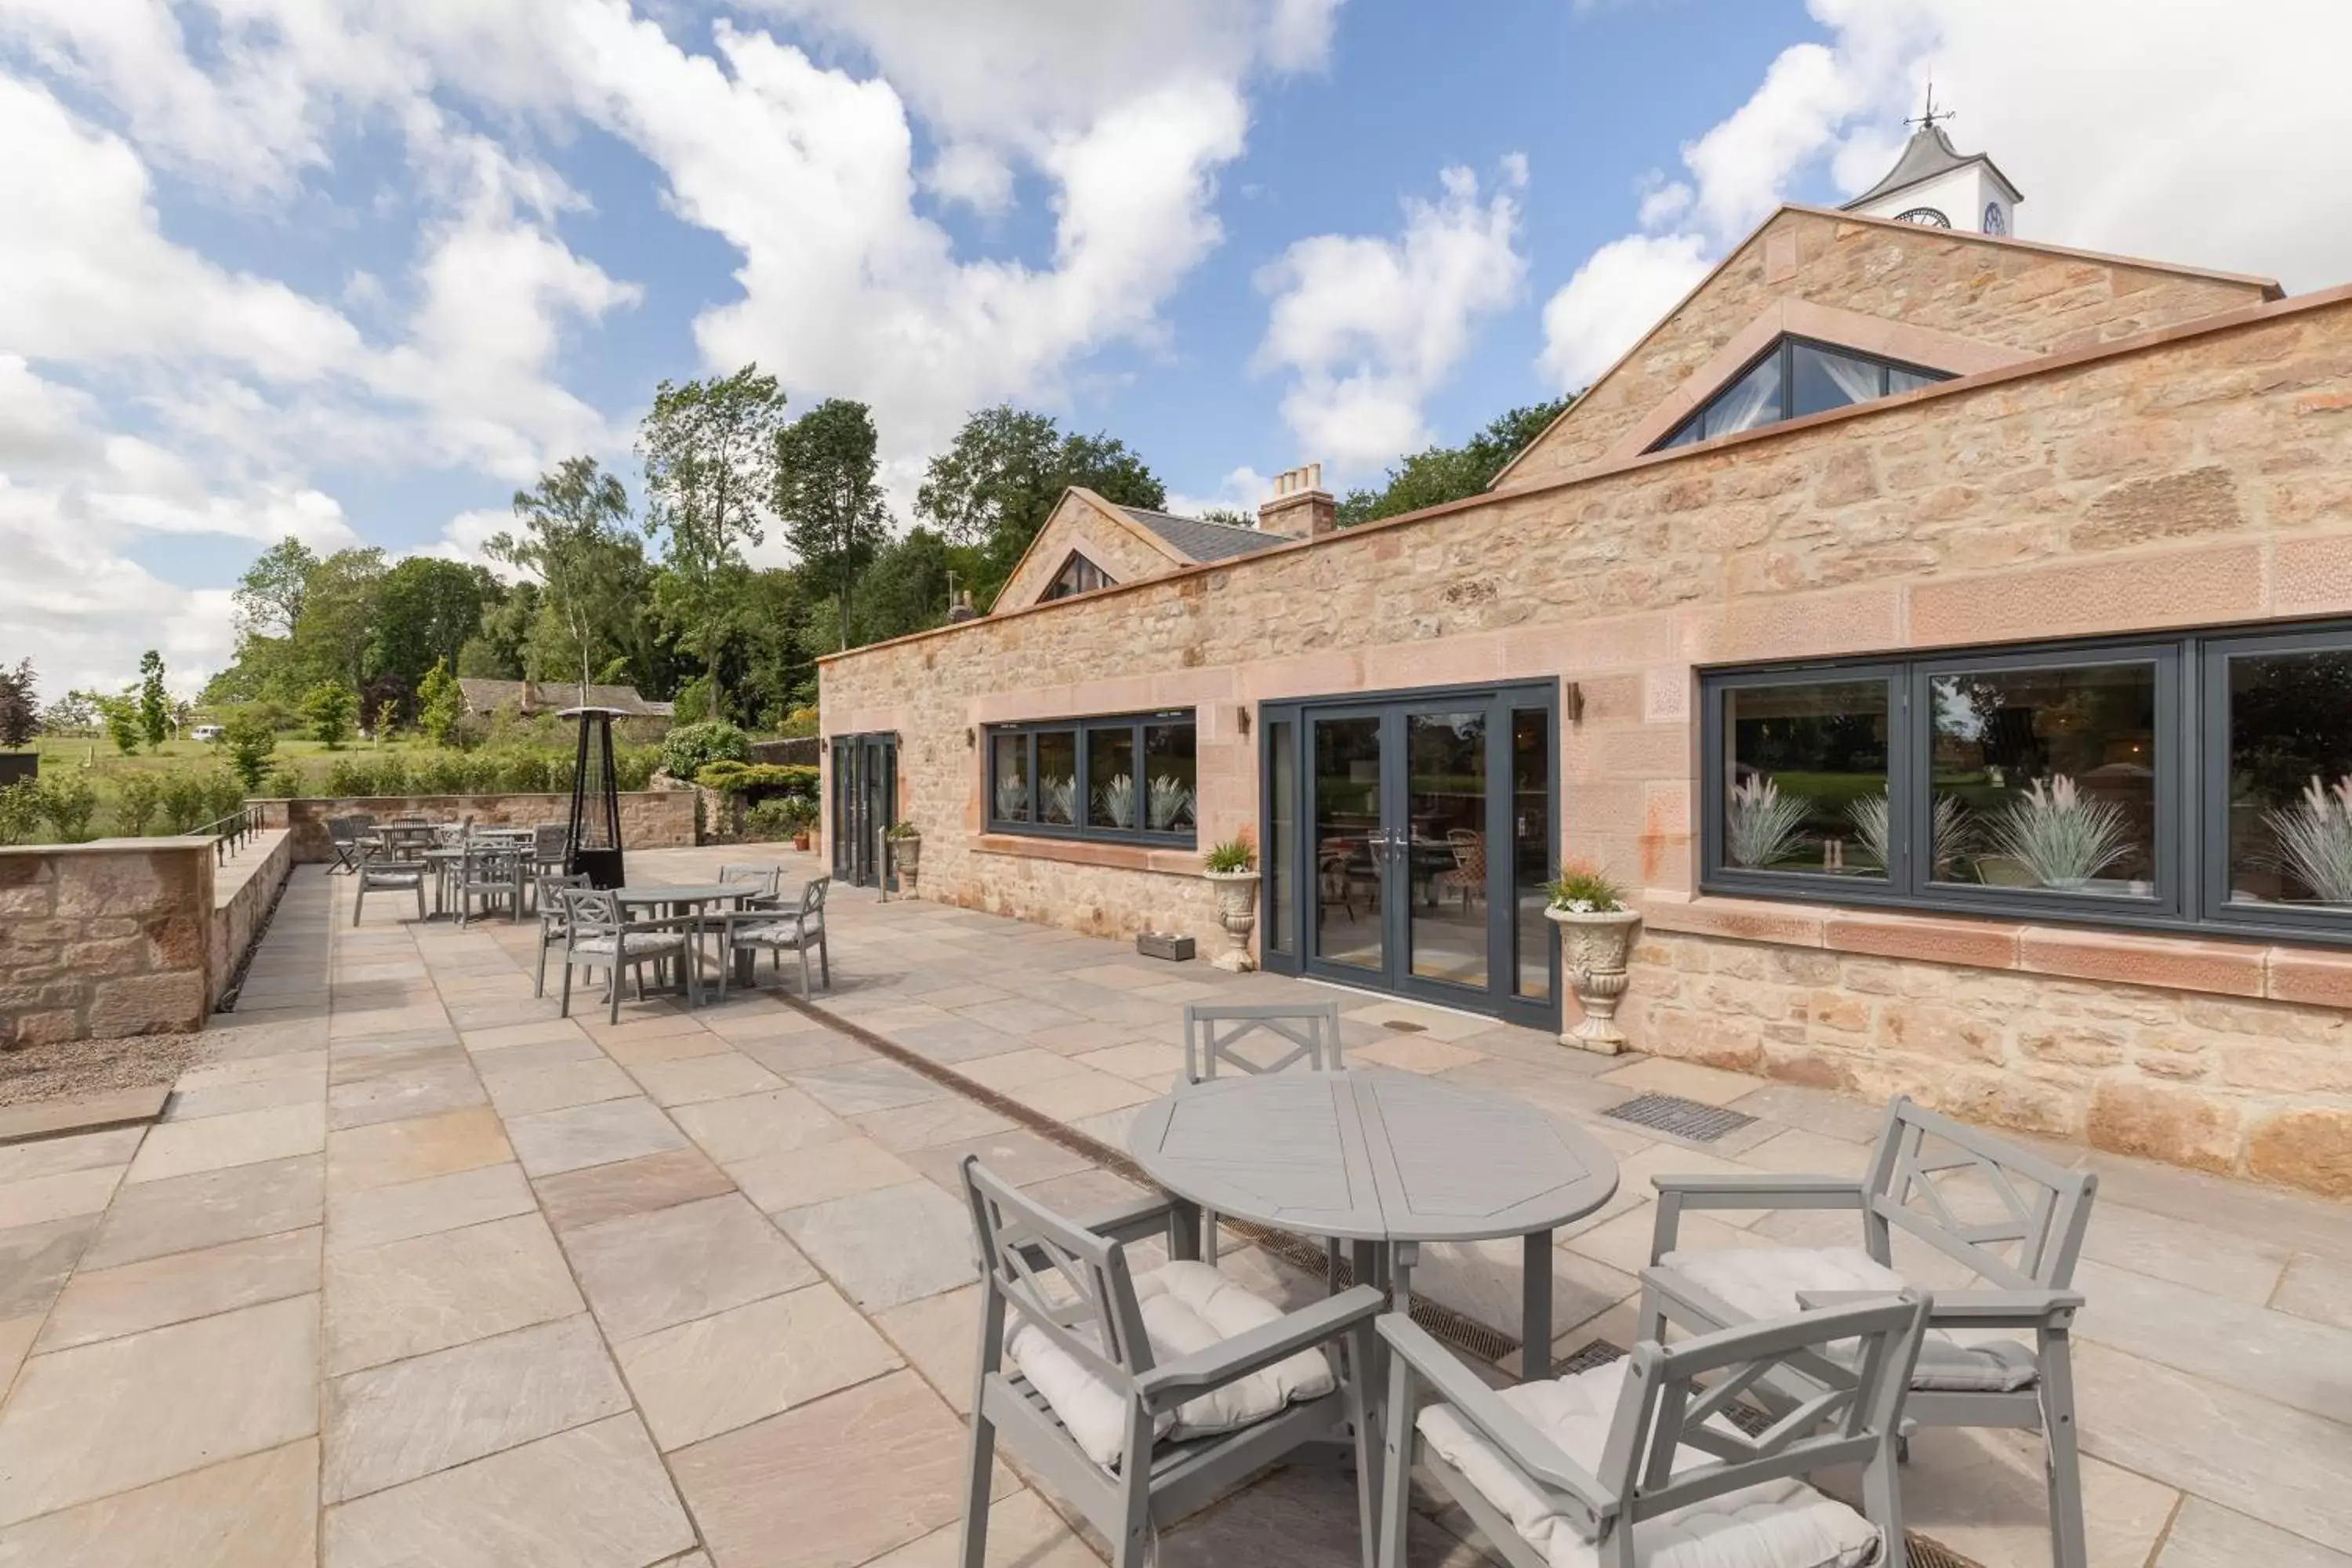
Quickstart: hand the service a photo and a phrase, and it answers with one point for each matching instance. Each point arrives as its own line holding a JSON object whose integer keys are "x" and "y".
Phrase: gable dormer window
{"x": 1077, "y": 575}
{"x": 1794, "y": 377}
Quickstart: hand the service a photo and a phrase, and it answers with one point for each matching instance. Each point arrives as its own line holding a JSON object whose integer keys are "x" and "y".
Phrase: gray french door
{"x": 864, "y": 805}
{"x": 1407, "y": 839}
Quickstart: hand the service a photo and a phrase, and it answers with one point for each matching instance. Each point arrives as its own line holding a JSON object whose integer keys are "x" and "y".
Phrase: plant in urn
{"x": 1232, "y": 867}
{"x": 1596, "y": 933}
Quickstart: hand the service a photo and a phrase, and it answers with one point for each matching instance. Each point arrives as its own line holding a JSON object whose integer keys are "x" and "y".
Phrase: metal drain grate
{"x": 1671, "y": 1113}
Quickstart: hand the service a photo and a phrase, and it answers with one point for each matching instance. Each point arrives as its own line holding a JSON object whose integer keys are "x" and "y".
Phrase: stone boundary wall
{"x": 242, "y": 890}
{"x": 103, "y": 940}
{"x": 650, "y": 819}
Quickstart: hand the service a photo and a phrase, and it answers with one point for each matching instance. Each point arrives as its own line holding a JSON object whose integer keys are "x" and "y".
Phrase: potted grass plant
{"x": 1232, "y": 868}
{"x": 2061, "y": 835}
{"x": 1596, "y": 935}
{"x": 2314, "y": 840}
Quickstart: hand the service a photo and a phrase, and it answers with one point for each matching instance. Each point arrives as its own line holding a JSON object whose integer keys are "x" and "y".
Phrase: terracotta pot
{"x": 1237, "y": 912}
{"x": 1593, "y": 949}
{"x": 800, "y": 840}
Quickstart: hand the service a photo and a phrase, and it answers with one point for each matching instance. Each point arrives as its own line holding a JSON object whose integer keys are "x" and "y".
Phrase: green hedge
{"x": 509, "y": 770}
{"x": 798, "y": 780}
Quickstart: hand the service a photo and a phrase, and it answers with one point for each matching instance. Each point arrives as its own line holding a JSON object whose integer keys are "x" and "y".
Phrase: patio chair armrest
{"x": 1172, "y": 1383}
{"x": 1484, "y": 1409}
{"x": 1762, "y": 1190}
{"x": 1139, "y": 1220}
{"x": 2002, "y": 1308}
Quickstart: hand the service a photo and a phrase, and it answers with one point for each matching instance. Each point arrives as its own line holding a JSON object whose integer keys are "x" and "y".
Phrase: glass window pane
{"x": 1057, "y": 776}
{"x": 1821, "y": 379}
{"x": 2291, "y": 778}
{"x": 1009, "y": 786}
{"x": 1753, "y": 400}
{"x": 1684, "y": 436}
{"x": 1110, "y": 777}
{"x": 1169, "y": 766}
{"x": 1531, "y": 751}
{"x": 1901, "y": 380}
{"x": 1446, "y": 807}
{"x": 1806, "y": 778}
{"x": 2046, "y": 778}
{"x": 1349, "y": 926}
{"x": 1282, "y": 835}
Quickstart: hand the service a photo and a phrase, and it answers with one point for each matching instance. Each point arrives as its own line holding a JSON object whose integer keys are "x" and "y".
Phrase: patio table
{"x": 1385, "y": 1159}
{"x": 673, "y": 899}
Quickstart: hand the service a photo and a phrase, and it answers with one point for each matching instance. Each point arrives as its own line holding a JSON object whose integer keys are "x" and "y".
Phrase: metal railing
{"x": 229, "y": 833}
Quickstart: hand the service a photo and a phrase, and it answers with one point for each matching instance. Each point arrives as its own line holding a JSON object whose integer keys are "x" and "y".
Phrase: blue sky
{"x": 356, "y": 271}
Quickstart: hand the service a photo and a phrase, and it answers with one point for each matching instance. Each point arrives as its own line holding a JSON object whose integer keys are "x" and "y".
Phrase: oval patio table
{"x": 1382, "y": 1159}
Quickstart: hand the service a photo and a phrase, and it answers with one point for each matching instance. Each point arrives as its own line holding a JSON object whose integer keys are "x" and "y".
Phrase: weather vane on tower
{"x": 1926, "y": 119}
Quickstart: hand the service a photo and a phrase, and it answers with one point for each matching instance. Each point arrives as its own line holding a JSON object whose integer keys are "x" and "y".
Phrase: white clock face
{"x": 1927, "y": 217}
{"x": 1993, "y": 223}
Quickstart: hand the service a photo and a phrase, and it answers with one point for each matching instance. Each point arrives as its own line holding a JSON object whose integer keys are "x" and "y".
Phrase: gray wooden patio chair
{"x": 554, "y": 919}
{"x": 1291, "y": 1034}
{"x": 551, "y": 849}
{"x": 343, "y": 839}
{"x": 2013, "y": 1220}
{"x": 1633, "y": 1462}
{"x": 768, "y": 876}
{"x": 776, "y": 929}
{"x": 1081, "y": 1379}
{"x": 377, "y": 870}
{"x": 602, "y": 936}
{"x": 489, "y": 873}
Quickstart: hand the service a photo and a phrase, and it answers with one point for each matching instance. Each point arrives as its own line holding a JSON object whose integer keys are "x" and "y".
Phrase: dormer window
{"x": 1794, "y": 377}
{"x": 1077, "y": 575}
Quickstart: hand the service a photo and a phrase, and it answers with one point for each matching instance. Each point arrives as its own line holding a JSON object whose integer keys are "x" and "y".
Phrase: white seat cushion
{"x": 770, "y": 933}
{"x": 1187, "y": 1307}
{"x": 1763, "y": 1282}
{"x": 1774, "y": 1525}
{"x": 642, "y": 945}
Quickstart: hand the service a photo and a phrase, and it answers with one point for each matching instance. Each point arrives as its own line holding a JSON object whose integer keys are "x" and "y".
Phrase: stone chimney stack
{"x": 1300, "y": 507}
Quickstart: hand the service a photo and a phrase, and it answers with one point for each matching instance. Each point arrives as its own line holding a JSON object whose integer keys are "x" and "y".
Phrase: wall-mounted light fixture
{"x": 971, "y": 738}
{"x": 1241, "y": 721}
{"x": 1572, "y": 703}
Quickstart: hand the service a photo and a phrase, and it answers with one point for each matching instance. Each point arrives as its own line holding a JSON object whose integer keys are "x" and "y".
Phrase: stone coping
{"x": 242, "y": 865}
{"x": 2320, "y": 977}
{"x": 111, "y": 846}
{"x": 1165, "y": 860}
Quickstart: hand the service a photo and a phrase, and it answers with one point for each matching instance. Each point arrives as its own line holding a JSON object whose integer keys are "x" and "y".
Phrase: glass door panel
{"x": 1442, "y": 845}
{"x": 1345, "y": 791}
{"x": 1531, "y": 867}
{"x": 1281, "y": 858}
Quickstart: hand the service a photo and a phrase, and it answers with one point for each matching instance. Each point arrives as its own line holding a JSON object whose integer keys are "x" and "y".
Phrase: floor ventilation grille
{"x": 1671, "y": 1113}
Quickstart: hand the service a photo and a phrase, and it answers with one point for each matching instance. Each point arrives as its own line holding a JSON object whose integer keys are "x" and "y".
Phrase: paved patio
{"x": 417, "y": 1272}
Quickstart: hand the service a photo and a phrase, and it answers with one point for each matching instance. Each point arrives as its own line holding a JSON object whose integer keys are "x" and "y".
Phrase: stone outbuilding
{"x": 1945, "y": 638}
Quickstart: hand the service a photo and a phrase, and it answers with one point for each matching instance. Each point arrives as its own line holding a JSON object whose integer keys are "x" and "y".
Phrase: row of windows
{"x": 2152, "y": 781}
{"x": 1128, "y": 778}
{"x": 1794, "y": 377}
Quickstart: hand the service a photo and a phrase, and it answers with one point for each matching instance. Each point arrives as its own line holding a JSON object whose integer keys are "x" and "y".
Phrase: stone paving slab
{"x": 89, "y": 1113}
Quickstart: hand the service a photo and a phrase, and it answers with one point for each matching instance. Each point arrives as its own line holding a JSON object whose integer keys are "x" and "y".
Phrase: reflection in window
{"x": 2290, "y": 737}
{"x": 1806, "y": 784}
{"x": 1792, "y": 379}
{"x": 1171, "y": 776}
{"x": 1077, "y": 575}
{"x": 2046, "y": 778}
{"x": 1531, "y": 867}
{"x": 1281, "y": 837}
{"x": 1058, "y": 777}
{"x": 1009, "y": 779}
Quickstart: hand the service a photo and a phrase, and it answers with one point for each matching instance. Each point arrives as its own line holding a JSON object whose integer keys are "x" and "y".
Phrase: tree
{"x": 833, "y": 510}
{"x": 439, "y": 703}
{"x": 709, "y": 454}
{"x": 332, "y": 711}
{"x": 120, "y": 715}
{"x": 387, "y": 719}
{"x": 907, "y": 588}
{"x": 154, "y": 702}
{"x": 336, "y": 629}
{"x": 577, "y": 541}
{"x": 269, "y": 596}
{"x": 20, "y": 705}
{"x": 996, "y": 485}
{"x": 249, "y": 741}
{"x": 425, "y": 610}
{"x": 75, "y": 713}
{"x": 1440, "y": 474}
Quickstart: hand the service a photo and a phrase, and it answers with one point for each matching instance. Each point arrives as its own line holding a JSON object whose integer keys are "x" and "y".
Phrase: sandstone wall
{"x": 650, "y": 819}
{"x": 103, "y": 940}
{"x": 1114, "y": 545}
{"x": 242, "y": 892}
{"x": 2201, "y": 479}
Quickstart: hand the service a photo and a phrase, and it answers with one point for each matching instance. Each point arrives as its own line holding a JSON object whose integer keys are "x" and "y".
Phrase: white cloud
{"x": 1243, "y": 490}
{"x": 971, "y": 174}
{"x": 2172, "y": 137}
{"x": 1368, "y": 327}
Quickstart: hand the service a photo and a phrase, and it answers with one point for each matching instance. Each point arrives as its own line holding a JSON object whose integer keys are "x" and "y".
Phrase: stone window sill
{"x": 2316, "y": 977}
{"x": 1148, "y": 857}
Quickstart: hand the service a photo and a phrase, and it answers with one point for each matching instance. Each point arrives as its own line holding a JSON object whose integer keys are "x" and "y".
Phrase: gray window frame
{"x": 1785, "y": 347}
{"x": 2191, "y": 769}
{"x": 1082, "y": 730}
{"x": 1055, "y": 588}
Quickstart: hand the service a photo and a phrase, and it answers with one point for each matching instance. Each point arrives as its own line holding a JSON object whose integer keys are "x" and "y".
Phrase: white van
{"x": 206, "y": 732}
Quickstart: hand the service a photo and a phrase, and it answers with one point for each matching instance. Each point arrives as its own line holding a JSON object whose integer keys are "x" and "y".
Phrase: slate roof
{"x": 1929, "y": 152}
{"x": 1202, "y": 539}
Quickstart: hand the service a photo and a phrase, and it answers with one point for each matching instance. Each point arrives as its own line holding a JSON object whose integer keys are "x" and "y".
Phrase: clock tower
{"x": 1936, "y": 185}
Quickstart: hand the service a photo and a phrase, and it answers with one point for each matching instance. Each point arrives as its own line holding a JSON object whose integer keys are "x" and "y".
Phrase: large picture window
{"x": 2188, "y": 782}
{"x": 1131, "y": 777}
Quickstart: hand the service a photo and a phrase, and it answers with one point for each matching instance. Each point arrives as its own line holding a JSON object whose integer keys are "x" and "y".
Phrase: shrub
{"x": 1233, "y": 855}
{"x": 690, "y": 748}
{"x": 227, "y": 796}
{"x": 692, "y": 704}
{"x": 363, "y": 777}
{"x": 20, "y": 811}
{"x": 187, "y": 800}
{"x": 781, "y": 817}
{"x": 796, "y": 779}
{"x": 69, "y": 800}
{"x": 633, "y": 766}
{"x": 1585, "y": 888}
{"x": 332, "y": 711}
{"x": 442, "y": 773}
{"x": 135, "y": 800}
{"x": 249, "y": 740}
{"x": 285, "y": 783}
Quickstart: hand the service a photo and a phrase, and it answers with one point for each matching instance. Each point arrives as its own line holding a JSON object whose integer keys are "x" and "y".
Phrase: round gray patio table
{"x": 1382, "y": 1159}
{"x": 682, "y": 898}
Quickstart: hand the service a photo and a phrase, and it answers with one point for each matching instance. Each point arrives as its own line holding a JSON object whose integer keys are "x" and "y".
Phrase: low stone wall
{"x": 2244, "y": 1085}
{"x": 104, "y": 940}
{"x": 650, "y": 819}
{"x": 242, "y": 892}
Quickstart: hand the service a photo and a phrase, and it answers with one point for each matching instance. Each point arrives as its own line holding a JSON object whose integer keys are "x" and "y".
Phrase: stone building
{"x": 1946, "y": 638}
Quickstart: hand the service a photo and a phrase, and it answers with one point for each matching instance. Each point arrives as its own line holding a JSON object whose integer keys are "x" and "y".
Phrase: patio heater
{"x": 595, "y": 842}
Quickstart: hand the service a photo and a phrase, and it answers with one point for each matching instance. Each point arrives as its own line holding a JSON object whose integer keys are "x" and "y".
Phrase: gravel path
{"x": 74, "y": 1068}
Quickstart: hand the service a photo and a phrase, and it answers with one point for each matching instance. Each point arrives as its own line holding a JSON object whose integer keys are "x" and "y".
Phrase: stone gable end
{"x": 1081, "y": 523}
{"x": 1952, "y": 302}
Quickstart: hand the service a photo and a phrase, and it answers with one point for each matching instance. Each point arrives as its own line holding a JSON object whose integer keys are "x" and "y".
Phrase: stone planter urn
{"x": 906, "y": 857}
{"x": 1593, "y": 948}
{"x": 1237, "y": 912}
